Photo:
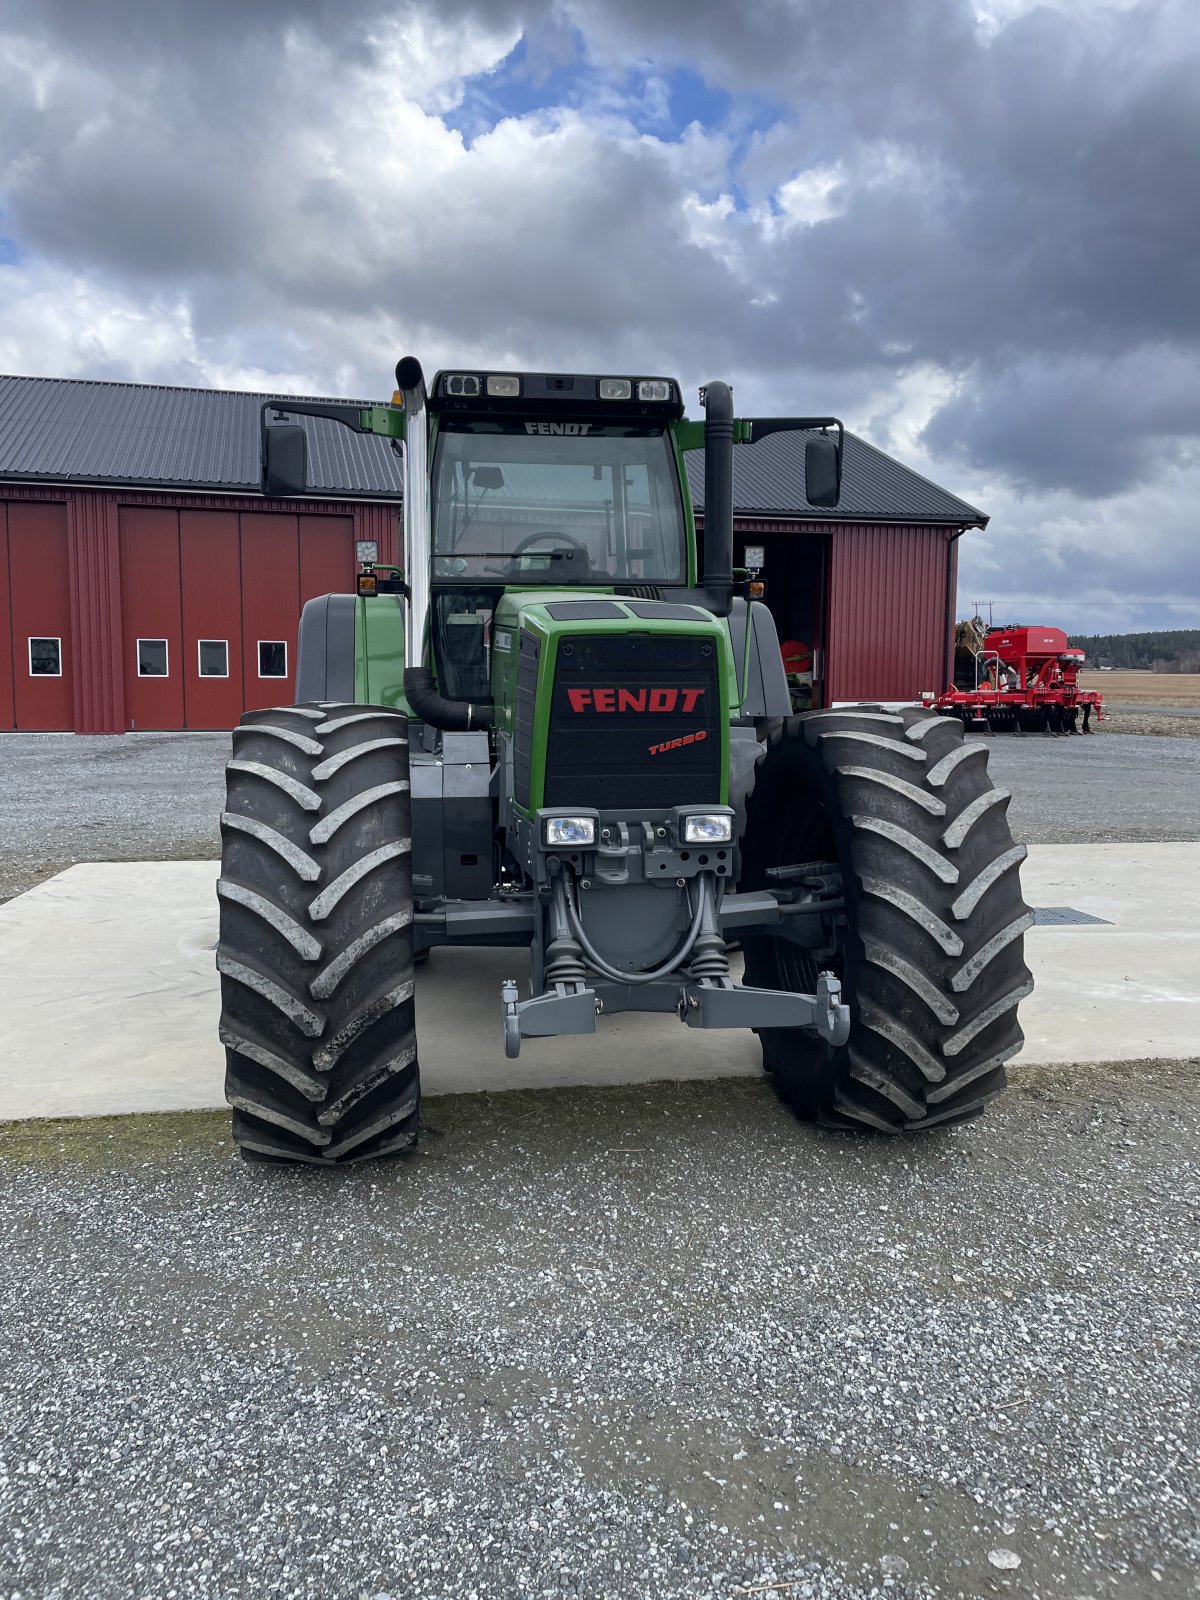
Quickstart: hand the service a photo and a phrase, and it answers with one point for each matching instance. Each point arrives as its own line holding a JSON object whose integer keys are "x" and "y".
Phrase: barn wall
{"x": 100, "y": 568}
{"x": 886, "y": 629}
{"x": 61, "y": 552}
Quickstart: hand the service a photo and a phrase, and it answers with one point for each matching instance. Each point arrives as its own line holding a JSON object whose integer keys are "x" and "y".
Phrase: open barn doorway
{"x": 795, "y": 566}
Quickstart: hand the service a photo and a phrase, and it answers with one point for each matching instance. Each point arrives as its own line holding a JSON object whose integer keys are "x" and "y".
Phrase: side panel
{"x": 151, "y": 612}
{"x": 7, "y": 712}
{"x": 41, "y": 608}
{"x": 325, "y": 648}
{"x": 270, "y": 606}
{"x": 212, "y": 612}
{"x": 759, "y": 664}
{"x": 379, "y": 663}
{"x": 887, "y": 612}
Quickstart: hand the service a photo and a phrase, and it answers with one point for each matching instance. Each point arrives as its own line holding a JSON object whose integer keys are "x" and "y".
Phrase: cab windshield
{"x": 513, "y": 504}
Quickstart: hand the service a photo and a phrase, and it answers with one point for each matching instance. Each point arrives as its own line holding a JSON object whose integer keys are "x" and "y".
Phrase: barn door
{"x": 40, "y": 617}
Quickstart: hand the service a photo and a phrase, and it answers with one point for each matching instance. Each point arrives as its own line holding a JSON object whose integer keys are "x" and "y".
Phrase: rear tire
{"x": 931, "y": 955}
{"x": 315, "y": 950}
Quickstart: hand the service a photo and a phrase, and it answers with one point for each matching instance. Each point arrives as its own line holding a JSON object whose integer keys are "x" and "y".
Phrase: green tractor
{"x": 564, "y": 727}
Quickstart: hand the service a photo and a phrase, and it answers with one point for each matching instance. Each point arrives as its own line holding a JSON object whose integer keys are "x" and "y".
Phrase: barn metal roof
{"x": 72, "y": 430}
{"x": 768, "y": 480}
{"x": 75, "y": 430}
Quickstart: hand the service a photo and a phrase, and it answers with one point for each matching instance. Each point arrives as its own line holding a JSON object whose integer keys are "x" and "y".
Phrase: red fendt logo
{"x": 660, "y": 700}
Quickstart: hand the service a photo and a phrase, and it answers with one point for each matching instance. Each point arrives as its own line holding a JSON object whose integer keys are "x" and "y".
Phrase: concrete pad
{"x": 109, "y": 1001}
{"x": 109, "y": 995}
{"x": 1126, "y": 992}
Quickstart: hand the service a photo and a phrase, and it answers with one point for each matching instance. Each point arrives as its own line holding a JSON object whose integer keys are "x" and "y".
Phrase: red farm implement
{"x": 1017, "y": 680}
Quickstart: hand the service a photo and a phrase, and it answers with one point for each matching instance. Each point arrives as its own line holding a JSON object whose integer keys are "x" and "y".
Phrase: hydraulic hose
{"x": 614, "y": 974}
{"x": 452, "y": 716}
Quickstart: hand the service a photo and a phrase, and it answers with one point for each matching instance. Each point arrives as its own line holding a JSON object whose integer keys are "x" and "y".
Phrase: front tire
{"x": 315, "y": 950}
{"x": 931, "y": 950}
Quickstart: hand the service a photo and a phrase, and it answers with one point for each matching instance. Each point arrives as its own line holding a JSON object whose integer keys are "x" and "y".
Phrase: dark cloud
{"x": 1008, "y": 207}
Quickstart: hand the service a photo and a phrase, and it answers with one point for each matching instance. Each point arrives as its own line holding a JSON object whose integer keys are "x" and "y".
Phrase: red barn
{"x": 145, "y": 584}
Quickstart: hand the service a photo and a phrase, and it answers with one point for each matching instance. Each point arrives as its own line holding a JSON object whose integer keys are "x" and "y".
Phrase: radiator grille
{"x": 635, "y": 722}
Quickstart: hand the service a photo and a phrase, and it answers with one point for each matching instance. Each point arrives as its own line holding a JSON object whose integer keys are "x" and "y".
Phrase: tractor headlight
{"x": 616, "y": 389}
{"x": 654, "y": 389}
{"x": 569, "y": 831}
{"x": 503, "y": 386}
{"x": 702, "y": 827}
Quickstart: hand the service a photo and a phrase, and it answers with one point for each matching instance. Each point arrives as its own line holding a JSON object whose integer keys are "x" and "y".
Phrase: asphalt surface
{"x": 139, "y": 797}
{"x": 1102, "y": 788}
{"x": 658, "y": 1341}
{"x": 154, "y": 797}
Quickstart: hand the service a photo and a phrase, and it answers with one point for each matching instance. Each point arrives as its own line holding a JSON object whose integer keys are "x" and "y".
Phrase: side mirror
{"x": 488, "y": 477}
{"x": 822, "y": 471}
{"x": 284, "y": 460}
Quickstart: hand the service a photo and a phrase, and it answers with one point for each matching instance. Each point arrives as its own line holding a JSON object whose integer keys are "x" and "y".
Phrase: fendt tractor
{"x": 563, "y": 726}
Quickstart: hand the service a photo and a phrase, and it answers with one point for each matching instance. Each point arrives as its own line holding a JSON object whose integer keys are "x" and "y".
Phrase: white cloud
{"x": 927, "y": 229}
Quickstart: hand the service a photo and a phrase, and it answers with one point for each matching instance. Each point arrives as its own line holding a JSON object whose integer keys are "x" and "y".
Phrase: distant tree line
{"x": 1169, "y": 651}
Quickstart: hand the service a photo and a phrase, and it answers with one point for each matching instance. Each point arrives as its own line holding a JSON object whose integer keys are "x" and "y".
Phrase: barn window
{"x": 272, "y": 658}
{"x": 45, "y": 658}
{"x": 152, "y": 658}
{"x": 214, "y": 658}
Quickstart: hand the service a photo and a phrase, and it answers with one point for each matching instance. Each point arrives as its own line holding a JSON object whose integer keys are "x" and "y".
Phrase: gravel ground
{"x": 140, "y": 797}
{"x": 157, "y": 796}
{"x": 652, "y": 1341}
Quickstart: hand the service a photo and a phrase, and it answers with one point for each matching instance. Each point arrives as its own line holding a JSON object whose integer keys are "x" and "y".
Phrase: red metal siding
{"x": 885, "y": 638}
{"x": 94, "y": 569}
{"x": 326, "y": 556}
{"x": 209, "y": 544}
{"x": 381, "y": 523}
{"x": 105, "y": 601}
{"x": 270, "y": 602}
{"x": 37, "y": 563}
{"x": 7, "y": 713}
{"x": 151, "y": 607}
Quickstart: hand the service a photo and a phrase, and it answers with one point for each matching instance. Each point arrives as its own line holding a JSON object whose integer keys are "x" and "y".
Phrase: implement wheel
{"x": 930, "y": 951}
{"x": 315, "y": 951}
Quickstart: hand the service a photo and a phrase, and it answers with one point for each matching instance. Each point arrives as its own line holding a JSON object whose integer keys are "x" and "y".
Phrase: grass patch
{"x": 104, "y": 1142}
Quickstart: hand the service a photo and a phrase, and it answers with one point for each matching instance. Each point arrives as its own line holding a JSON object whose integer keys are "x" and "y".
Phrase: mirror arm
{"x": 385, "y": 420}
{"x": 752, "y": 429}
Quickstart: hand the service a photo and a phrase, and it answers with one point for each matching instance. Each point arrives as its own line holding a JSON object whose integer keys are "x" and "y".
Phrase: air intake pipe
{"x": 420, "y": 690}
{"x": 717, "y": 576}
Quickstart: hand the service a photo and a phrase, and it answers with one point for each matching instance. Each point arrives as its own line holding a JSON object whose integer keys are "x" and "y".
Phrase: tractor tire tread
{"x": 932, "y": 965}
{"x": 316, "y": 961}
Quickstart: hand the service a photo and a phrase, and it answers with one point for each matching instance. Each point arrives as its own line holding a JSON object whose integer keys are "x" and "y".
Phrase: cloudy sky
{"x": 971, "y": 227}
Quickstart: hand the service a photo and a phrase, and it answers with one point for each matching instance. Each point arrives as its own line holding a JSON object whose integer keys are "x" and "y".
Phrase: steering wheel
{"x": 577, "y": 548}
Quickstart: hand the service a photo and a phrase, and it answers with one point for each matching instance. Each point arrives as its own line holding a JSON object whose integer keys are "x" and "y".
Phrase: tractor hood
{"x": 612, "y": 701}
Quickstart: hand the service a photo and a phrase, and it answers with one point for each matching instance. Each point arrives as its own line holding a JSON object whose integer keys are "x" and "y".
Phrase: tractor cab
{"x": 539, "y": 499}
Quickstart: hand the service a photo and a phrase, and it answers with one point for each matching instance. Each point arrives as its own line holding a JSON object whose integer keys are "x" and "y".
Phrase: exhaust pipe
{"x": 420, "y": 689}
{"x": 717, "y": 577}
